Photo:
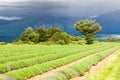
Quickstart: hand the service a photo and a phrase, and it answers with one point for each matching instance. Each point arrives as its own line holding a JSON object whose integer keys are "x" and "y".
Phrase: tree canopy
{"x": 42, "y": 34}
{"x": 89, "y": 28}
{"x": 29, "y": 35}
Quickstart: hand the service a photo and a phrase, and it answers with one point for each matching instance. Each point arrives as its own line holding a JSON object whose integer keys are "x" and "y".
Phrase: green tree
{"x": 53, "y": 30}
{"x": 29, "y": 35}
{"x": 43, "y": 34}
{"x": 89, "y": 28}
{"x": 60, "y": 38}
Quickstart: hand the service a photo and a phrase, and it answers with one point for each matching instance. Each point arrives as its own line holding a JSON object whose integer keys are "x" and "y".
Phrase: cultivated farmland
{"x": 110, "y": 71}
{"x": 23, "y": 62}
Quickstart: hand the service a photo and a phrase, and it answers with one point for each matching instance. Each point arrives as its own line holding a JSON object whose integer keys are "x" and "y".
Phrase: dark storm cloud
{"x": 32, "y": 8}
{"x": 57, "y": 7}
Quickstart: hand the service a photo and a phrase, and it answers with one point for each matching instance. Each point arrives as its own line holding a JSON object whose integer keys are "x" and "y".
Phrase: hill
{"x": 9, "y": 30}
{"x": 15, "y": 28}
{"x": 110, "y": 22}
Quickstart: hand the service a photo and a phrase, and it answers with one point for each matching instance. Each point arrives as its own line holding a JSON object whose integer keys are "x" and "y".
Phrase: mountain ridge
{"x": 13, "y": 29}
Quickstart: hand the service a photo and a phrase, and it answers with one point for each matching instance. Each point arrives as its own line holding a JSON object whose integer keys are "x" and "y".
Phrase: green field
{"x": 22, "y": 62}
{"x": 110, "y": 71}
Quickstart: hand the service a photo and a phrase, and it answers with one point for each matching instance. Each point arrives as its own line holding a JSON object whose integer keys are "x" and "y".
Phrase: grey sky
{"x": 57, "y": 7}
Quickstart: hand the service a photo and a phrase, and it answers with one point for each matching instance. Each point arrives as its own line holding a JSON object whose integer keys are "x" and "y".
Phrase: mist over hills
{"x": 11, "y": 29}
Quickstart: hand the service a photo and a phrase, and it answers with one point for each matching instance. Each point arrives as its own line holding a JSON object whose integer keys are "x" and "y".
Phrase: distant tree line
{"x": 112, "y": 39}
{"x": 48, "y": 35}
{"x": 54, "y": 35}
{"x": 88, "y": 28}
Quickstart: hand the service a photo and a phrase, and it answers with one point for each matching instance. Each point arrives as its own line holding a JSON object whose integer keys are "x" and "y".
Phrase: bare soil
{"x": 38, "y": 77}
{"x": 93, "y": 68}
{"x": 96, "y": 67}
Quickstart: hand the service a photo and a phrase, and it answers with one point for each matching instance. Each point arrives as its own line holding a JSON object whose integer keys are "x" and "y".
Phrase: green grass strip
{"x": 110, "y": 71}
{"x": 25, "y": 73}
{"x": 37, "y": 60}
{"x": 79, "y": 68}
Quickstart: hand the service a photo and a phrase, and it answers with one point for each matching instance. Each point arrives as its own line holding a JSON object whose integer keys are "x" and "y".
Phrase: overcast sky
{"x": 84, "y": 8}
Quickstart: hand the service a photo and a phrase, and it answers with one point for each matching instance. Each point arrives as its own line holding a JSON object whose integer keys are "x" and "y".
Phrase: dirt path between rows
{"x": 38, "y": 77}
{"x": 96, "y": 67}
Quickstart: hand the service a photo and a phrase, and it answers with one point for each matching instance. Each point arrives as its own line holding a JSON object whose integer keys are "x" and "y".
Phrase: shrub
{"x": 111, "y": 39}
{"x": 3, "y": 43}
{"x": 61, "y": 38}
{"x": 62, "y": 42}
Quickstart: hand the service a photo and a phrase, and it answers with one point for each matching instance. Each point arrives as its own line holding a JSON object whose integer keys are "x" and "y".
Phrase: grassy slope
{"x": 9, "y": 51}
{"x": 79, "y": 68}
{"x": 111, "y": 71}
